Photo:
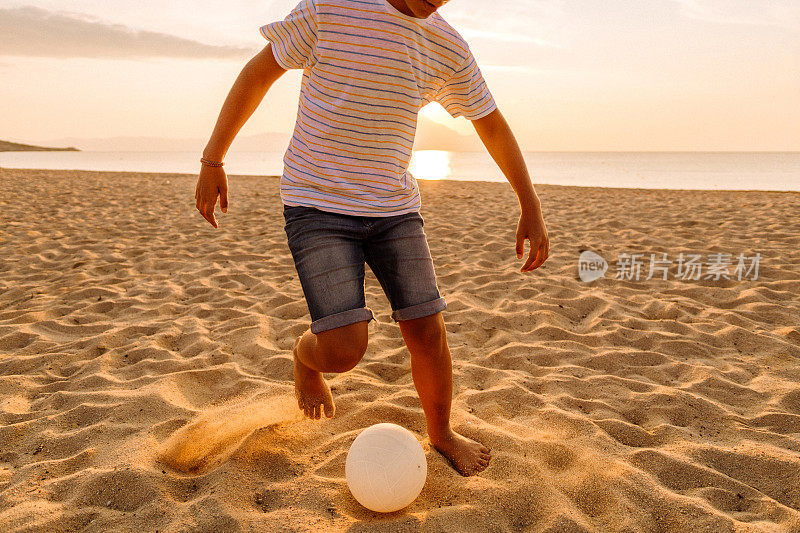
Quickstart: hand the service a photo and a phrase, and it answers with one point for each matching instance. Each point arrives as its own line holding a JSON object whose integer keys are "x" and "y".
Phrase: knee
{"x": 344, "y": 357}
{"x": 427, "y": 331}
{"x": 344, "y": 346}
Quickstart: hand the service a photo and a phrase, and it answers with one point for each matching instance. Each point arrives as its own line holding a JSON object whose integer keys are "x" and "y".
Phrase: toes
{"x": 474, "y": 470}
{"x": 315, "y": 411}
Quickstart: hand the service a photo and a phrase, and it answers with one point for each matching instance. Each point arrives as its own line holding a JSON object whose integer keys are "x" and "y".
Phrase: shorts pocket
{"x": 292, "y": 213}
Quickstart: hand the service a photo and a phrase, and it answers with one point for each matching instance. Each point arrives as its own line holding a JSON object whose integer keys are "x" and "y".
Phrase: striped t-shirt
{"x": 367, "y": 71}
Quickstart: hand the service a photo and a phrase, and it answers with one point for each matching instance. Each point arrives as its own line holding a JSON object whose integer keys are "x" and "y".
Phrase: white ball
{"x": 385, "y": 467}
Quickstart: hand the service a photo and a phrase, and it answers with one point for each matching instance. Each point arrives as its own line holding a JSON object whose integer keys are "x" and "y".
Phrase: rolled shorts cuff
{"x": 345, "y": 318}
{"x": 420, "y": 310}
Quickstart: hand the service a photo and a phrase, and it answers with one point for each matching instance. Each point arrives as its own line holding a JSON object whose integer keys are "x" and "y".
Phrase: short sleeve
{"x": 466, "y": 94}
{"x": 294, "y": 38}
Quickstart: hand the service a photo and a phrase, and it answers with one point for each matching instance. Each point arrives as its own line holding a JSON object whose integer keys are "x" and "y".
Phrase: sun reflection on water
{"x": 430, "y": 164}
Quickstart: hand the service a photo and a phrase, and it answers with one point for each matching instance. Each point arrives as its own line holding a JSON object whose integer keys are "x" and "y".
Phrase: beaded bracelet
{"x": 211, "y": 163}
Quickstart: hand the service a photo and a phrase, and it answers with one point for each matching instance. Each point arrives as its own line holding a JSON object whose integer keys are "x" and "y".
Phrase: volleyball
{"x": 385, "y": 467}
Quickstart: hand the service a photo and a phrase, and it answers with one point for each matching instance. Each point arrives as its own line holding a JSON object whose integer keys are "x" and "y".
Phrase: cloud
{"x": 537, "y": 22}
{"x": 32, "y": 31}
{"x": 506, "y": 68}
{"x": 470, "y": 33}
{"x": 784, "y": 13}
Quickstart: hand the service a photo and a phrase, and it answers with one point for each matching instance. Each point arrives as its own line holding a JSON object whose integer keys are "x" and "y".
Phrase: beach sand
{"x": 145, "y": 365}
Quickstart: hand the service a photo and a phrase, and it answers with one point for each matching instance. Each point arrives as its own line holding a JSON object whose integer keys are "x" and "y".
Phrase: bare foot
{"x": 467, "y": 456}
{"x": 311, "y": 390}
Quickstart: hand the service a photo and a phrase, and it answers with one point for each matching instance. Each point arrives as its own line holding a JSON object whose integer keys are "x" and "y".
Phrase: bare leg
{"x": 336, "y": 350}
{"x": 432, "y": 371}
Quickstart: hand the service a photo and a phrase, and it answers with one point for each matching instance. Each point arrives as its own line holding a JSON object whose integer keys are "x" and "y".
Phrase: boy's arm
{"x": 501, "y": 144}
{"x": 243, "y": 99}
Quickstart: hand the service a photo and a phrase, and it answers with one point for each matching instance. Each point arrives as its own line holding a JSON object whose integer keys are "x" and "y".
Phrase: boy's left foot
{"x": 467, "y": 456}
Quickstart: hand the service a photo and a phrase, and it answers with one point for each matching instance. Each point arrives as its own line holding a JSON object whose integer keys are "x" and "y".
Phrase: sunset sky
{"x": 567, "y": 74}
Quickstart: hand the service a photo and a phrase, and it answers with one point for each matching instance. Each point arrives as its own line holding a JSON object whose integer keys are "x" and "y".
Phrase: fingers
{"x": 544, "y": 252}
{"x": 207, "y": 210}
{"x": 540, "y": 257}
{"x": 531, "y": 257}
{"x": 223, "y": 199}
{"x": 209, "y": 187}
{"x": 531, "y": 254}
{"x": 208, "y": 214}
{"x": 520, "y": 247}
{"x": 537, "y": 256}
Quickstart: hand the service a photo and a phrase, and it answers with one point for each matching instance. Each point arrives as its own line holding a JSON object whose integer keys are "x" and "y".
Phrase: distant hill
{"x": 6, "y": 146}
{"x": 264, "y": 142}
{"x": 430, "y": 136}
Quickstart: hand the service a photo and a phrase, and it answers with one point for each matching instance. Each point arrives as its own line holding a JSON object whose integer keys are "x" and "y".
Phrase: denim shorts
{"x": 330, "y": 250}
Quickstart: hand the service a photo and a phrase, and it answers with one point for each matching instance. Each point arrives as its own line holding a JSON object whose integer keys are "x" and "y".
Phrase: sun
{"x": 438, "y": 114}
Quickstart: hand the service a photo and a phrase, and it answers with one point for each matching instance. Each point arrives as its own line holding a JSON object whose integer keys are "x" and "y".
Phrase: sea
{"x": 769, "y": 171}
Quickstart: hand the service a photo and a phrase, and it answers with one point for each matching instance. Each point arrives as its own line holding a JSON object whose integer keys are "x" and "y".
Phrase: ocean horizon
{"x": 768, "y": 171}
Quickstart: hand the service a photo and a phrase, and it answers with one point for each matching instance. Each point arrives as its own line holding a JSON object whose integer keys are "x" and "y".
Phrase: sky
{"x": 568, "y": 75}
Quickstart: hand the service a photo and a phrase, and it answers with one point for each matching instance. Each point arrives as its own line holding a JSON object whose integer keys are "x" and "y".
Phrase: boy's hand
{"x": 212, "y": 182}
{"x": 531, "y": 226}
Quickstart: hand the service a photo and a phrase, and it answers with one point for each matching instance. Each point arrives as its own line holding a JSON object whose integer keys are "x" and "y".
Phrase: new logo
{"x": 591, "y": 266}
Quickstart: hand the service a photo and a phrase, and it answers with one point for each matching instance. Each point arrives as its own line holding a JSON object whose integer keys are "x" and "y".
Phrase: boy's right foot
{"x": 467, "y": 456}
{"x": 311, "y": 390}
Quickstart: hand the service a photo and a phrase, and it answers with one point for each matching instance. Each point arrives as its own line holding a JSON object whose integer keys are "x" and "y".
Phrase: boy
{"x": 368, "y": 67}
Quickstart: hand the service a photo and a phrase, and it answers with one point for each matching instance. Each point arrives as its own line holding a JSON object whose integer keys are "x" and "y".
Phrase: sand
{"x": 145, "y": 365}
